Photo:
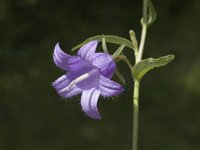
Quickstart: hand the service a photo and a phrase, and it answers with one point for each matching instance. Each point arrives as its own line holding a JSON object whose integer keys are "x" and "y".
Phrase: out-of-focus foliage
{"x": 33, "y": 116}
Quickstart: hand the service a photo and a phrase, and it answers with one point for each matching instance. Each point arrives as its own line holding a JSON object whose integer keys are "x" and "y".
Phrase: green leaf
{"x": 104, "y": 47}
{"x": 133, "y": 39}
{"x": 145, "y": 65}
{"x": 108, "y": 38}
{"x": 152, "y": 13}
{"x": 118, "y": 51}
{"x": 120, "y": 77}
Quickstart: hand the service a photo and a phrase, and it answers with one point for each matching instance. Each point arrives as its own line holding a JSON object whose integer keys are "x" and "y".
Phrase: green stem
{"x": 124, "y": 58}
{"x": 136, "y": 82}
{"x": 135, "y": 114}
{"x": 142, "y": 42}
{"x": 145, "y": 7}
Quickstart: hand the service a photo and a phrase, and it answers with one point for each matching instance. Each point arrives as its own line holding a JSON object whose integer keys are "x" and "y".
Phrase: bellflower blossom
{"x": 88, "y": 73}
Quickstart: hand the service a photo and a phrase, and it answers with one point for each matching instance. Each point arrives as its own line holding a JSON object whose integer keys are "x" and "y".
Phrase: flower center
{"x": 90, "y": 79}
{"x": 75, "y": 81}
{"x": 85, "y": 81}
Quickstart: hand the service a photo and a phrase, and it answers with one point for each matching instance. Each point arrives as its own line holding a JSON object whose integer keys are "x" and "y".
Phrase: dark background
{"x": 34, "y": 117}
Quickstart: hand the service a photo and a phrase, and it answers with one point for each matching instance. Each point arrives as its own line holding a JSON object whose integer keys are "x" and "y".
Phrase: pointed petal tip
{"x": 61, "y": 87}
{"x": 53, "y": 84}
{"x": 87, "y": 50}
{"x": 94, "y": 42}
{"x": 60, "y": 58}
{"x": 58, "y": 51}
{"x": 109, "y": 88}
{"x": 57, "y": 44}
{"x": 89, "y": 100}
{"x": 57, "y": 47}
{"x": 122, "y": 89}
{"x": 95, "y": 116}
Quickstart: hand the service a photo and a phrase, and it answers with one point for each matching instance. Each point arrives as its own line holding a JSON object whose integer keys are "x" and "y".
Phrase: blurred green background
{"x": 33, "y": 116}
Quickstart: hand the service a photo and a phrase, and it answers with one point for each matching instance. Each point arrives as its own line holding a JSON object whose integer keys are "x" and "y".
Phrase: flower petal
{"x": 75, "y": 64}
{"x": 65, "y": 61}
{"x": 60, "y": 58}
{"x": 61, "y": 86}
{"x": 87, "y": 51}
{"x": 109, "y": 88}
{"x": 89, "y": 100}
{"x": 105, "y": 63}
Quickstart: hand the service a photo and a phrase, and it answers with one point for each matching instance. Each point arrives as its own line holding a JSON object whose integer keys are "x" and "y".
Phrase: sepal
{"x": 109, "y": 39}
{"x": 120, "y": 77}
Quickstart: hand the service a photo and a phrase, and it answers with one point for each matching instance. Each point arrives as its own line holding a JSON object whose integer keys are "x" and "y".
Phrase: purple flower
{"x": 88, "y": 73}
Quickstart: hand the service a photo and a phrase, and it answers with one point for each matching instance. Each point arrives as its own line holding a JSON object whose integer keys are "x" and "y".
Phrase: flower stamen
{"x": 75, "y": 81}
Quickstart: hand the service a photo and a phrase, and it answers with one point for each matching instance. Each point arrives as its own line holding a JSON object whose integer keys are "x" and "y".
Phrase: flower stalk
{"x": 135, "y": 114}
{"x": 142, "y": 42}
{"x": 138, "y": 58}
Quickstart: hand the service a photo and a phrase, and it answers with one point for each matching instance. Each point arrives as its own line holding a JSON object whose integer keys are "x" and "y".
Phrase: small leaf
{"x": 152, "y": 13}
{"x": 120, "y": 77}
{"x": 118, "y": 51}
{"x": 145, "y": 65}
{"x": 104, "y": 47}
{"x": 109, "y": 39}
{"x": 133, "y": 39}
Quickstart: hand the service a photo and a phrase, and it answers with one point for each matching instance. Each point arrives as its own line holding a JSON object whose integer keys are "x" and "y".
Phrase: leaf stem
{"x": 124, "y": 58}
